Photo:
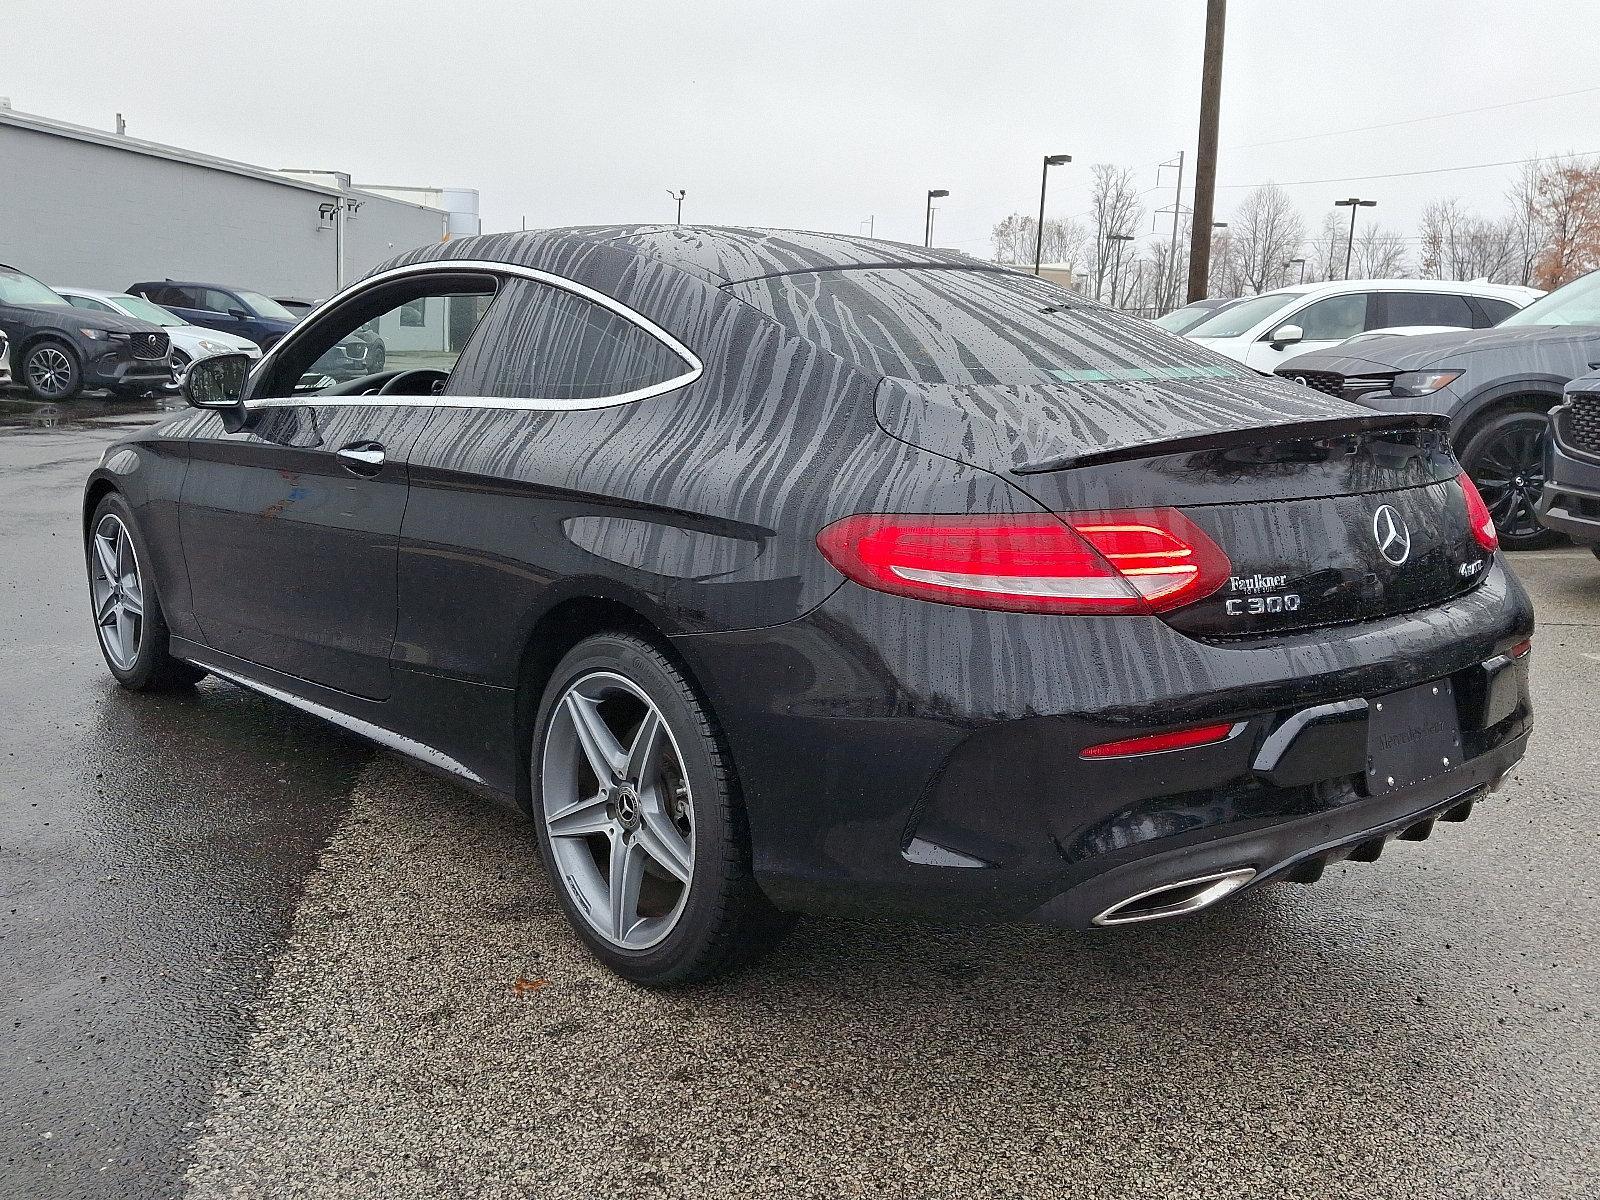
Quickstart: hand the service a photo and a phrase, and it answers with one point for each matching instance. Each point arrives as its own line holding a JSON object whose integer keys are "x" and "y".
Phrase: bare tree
{"x": 1379, "y": 253}
{"x": 1526, "y": 221}
{"x": 1063, "y": 245}
{"x": 1114, "y": 209}
{"x": 1326, "y": 258}
{"x": 1457, "y": 244}
{"x": 1265, "y": 232}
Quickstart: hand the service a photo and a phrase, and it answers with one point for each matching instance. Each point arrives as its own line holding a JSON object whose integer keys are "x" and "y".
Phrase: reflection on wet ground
{"x": 21, "y": 413}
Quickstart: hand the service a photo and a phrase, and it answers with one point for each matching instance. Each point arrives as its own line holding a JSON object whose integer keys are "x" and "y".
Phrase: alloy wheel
{"x": 618, "y": 811}
{"x": 118, "y": 592}
{"x": 1509, "y": 472}
{"x": 50, "y": 371}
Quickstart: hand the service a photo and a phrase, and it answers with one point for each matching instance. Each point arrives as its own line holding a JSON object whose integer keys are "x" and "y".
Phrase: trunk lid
{"x": 1329, "y": 513}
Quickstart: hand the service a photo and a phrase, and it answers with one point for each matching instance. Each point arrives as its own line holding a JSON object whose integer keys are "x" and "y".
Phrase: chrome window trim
{"x": 512, "y": 403}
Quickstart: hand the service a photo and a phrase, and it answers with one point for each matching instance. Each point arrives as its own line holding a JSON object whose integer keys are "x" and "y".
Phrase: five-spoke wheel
{"x": 640, "y": 821}
{"x": 618, "y": 810}
{"x": 117, "y": 591}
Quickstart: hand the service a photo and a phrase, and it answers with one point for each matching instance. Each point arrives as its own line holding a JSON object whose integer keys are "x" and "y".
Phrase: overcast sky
{"x": 817, "y": 114}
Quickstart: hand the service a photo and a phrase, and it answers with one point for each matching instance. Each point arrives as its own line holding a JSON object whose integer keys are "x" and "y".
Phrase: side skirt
{"x": 443, "y": 725}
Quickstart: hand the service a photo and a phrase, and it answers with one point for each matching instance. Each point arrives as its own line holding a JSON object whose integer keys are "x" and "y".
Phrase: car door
{"x": 290, "y": 525}
{"x": 1323, "y": 323}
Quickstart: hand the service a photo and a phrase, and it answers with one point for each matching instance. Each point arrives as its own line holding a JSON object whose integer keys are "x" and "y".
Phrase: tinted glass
{"x": 1240, "y": 317}
{"x": 1427, "y": 308}
{"x": 1496, "y": 310}
{"x": 1333, "y": 319}
{"x": 1576, "y": 303}
{"x": 975, "y": 327}
{"x": 545, "y": 343}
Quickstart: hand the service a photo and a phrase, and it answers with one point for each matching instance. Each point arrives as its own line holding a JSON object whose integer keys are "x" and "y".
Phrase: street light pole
{"x": 1352, "y": 204}
{"x": 1050, "y": 160}
{"x": 678, "y": 196}
{"x": 1116, "y": 264}
{"x": 1301, "y": 263}
{"x": 927, "y": 223}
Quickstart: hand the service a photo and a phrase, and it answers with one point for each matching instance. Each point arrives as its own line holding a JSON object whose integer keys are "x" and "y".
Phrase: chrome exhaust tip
{"x": 1176, "y": 899}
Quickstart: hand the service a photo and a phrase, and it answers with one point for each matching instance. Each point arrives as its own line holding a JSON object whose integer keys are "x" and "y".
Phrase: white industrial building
{"x": 93, "y": 208}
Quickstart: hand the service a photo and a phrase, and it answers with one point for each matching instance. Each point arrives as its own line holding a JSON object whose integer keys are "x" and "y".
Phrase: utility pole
{"x": 1352, "y": 204}
{"x": 1171, "y": 284}
{"x": 1121, "y": 239}
{"x": 1050, "y": 160}
{"x": 927, "y": 224}
{"x": 1205, "y": 173}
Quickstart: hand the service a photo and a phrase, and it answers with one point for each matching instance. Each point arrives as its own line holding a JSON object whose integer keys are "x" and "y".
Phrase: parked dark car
{"x": 364, "y": 348}
{"x": 1496, "y": 386}
{"x": 239, "y": 311}
{"x": 1570, "y": 500}
{"x": 58, "y": 350}
{"x": 776, "y": 572}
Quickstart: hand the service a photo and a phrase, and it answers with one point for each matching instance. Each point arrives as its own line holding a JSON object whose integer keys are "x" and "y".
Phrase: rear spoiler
{"x": 1225, "y": 439}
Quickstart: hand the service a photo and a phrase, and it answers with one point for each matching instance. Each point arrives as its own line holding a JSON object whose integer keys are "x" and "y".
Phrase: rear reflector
{"x": 1157, "y": 743}
{"x": 1135, "y": 561}
{"x": 1478, "y": 515}
{"x": 1522, "y": 649}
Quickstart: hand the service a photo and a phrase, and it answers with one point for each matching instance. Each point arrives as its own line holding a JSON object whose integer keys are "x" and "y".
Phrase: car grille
{"x": 148, "y": 345}
{"x": 1330, "y": 382}
{"x": 1578, "y": 425}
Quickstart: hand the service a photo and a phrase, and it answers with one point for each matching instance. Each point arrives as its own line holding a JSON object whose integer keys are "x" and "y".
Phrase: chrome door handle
{"x": 363, "y": 458}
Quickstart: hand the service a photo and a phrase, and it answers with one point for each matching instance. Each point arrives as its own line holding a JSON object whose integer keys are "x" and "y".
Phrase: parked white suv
{"x": 1264, "y": 331}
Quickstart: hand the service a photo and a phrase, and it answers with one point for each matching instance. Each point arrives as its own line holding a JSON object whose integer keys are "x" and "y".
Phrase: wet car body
{"x": 894, "y": 755}
{"x": 57, "y": 350}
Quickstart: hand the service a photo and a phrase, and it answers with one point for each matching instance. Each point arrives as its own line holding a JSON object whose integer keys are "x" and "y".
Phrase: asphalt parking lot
{"x": 244, "y": 955}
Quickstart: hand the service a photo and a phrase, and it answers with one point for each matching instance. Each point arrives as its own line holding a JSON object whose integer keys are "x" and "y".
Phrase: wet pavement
{"x": 241, "y": 955}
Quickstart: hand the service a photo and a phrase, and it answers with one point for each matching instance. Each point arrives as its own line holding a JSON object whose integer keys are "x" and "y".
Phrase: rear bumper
{"x": 1570, "y": 502}
{"x": 918, "y": 759}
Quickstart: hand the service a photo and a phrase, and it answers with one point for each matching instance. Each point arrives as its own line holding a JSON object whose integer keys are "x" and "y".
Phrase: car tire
{"x": 1504, "y": 455}
{"x": 51, "y": 371}
{"x": 179, "y": 362}
{"x": 605, "y": 838}
{"x": 136, "y": 647}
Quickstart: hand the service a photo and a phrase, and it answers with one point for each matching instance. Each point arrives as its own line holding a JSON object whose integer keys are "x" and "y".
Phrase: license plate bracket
{"x": 1412, "y": 736}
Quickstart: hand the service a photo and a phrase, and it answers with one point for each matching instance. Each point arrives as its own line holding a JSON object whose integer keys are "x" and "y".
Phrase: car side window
{"x": 1426, "y": 308}
{"x": 212, "y": 300}
{"x": 90, "y": 304}
{"x": 1332, "y": 319}
{"x": 371, "y": 335}
{"x": 171, "y": 294}
{"x": 547, "y": 343}
{"x": 1495, "y": 310}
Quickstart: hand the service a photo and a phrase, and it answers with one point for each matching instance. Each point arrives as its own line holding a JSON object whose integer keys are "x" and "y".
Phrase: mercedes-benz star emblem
{"x": 1390, "y": 532}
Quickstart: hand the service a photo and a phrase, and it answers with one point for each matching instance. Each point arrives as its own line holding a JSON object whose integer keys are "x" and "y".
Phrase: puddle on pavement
{"x": 21, "y": 414}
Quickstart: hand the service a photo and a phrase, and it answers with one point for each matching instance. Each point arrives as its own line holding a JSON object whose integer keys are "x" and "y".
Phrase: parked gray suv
{"x": 1496, "y": 385}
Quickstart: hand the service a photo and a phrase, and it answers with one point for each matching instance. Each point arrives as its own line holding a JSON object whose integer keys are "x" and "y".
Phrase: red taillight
{"x": 1478, "y": 515}
{"x": 1156, "y": 743}
{"x": 1135, "y": 561}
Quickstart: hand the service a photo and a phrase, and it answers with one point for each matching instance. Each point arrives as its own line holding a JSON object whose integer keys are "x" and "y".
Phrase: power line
{"x": 1462, "y": 112}
{"x": 1510, "y": 162}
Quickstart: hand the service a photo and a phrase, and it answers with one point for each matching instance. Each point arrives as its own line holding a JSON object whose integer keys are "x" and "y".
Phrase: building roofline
{"x": 193, "y": 158}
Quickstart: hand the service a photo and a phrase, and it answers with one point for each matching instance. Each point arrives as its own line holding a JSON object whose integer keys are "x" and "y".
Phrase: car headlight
{"x": 94, "y": 335}
{"x": 211, "y": 347}
{"x": 1423, "y": 383}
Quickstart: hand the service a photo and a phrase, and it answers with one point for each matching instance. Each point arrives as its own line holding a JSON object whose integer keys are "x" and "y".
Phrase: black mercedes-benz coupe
{"x": 779, "y": 572}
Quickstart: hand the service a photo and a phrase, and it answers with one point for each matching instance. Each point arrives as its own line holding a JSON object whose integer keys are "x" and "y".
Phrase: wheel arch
{"x": 34, "y": 338}
{"x": 1527, "y": 392}
{"x": 561, "y": 626}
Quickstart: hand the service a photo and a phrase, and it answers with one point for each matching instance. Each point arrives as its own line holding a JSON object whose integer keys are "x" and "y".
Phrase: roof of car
{"x": 221, "y": 287}
{"x": 716, "y": 253}
{"x": 1504, "y": 291}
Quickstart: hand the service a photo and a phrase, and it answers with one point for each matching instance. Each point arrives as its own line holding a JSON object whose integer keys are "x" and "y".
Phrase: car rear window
{"x": 974, "y": 327}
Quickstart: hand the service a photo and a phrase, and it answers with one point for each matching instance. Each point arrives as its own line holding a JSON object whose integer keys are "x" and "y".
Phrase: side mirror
{"x": 1286, "y": 335}
{"x": 238, "y": 314}
{"x": 216, "y": 382}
